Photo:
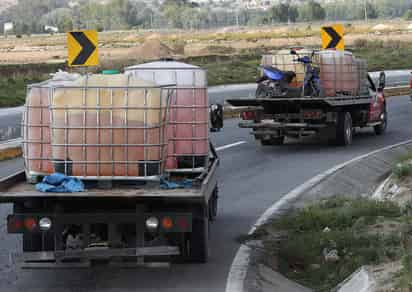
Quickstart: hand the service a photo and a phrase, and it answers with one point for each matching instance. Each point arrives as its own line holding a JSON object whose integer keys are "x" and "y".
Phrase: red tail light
{"x": 249, "y": 115}
{"x": 183, "y": 223}
{"x": 410, "y": 83}
{"x": 167, "y": 223}
{"x": 30, "y": 224}
{"x": 14, "y": 224}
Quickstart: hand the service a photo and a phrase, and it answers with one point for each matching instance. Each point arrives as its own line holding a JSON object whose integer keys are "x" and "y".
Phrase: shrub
{"x": 402, "y": 170}
{"x": 360, "y": 43}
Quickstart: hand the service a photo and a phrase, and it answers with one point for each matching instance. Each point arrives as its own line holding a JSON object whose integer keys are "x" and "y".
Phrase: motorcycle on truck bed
{"x": 301, "y": 93}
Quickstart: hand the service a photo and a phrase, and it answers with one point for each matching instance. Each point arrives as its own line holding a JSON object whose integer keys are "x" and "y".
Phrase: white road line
{"x": 238, "y": 271}
{"x": 230, "y": 145}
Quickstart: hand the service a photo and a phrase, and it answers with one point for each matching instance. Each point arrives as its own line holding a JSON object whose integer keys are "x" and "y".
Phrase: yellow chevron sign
{"x": 332, "y": 37}
{"x": 82, "y": 48}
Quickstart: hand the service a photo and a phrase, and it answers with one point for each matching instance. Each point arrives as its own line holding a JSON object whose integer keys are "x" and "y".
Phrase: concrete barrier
{"x": 11, "y": 149}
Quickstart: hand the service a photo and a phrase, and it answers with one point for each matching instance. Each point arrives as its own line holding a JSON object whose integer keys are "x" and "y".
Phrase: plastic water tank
{"x": 188, "y": 128}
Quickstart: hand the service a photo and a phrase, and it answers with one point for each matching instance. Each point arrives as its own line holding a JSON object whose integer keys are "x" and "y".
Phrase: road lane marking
{"x": 230, "y": 145}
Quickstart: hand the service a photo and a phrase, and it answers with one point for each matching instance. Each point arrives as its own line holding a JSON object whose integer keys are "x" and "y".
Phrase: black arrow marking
{"x": 336, "y": 38}
{"x": 87, "y": 47}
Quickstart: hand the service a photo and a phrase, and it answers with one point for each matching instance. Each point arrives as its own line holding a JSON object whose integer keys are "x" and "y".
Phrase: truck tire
{"x": 273, "y": 141}
{"x": 381, "y": 128}
{"x": 344, "y": 129}
{"x": 213, "y": 204}
{"x": 199, "y": 240}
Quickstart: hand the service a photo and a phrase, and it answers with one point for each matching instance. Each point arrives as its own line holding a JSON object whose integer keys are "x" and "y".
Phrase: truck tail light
{"x": 167, "y": 223}
{"x": 14, "y": 224}
{"x": 183, "y": 223}
{"x": 30, "y": 224}
{"x": 248, "y": 115}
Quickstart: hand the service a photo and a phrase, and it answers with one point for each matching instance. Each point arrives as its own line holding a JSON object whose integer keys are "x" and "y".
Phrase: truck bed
{"x": 15, "y": 187}
{"x": 331, "y": 101}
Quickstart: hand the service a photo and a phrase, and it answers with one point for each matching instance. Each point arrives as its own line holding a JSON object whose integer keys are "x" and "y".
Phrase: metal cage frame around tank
{"x": 167, "y": 91}
{"x": 359, "y": 67}
{"x": 174, "y": 106}
{"x": 26, "y": 142}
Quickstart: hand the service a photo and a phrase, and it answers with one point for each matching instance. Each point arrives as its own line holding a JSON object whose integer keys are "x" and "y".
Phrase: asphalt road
{"x": 252, "y": 178}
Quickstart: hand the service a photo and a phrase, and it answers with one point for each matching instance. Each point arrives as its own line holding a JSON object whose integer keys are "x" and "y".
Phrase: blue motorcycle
{"x": 311, "y": 83}
{"x": 276, "y": 83}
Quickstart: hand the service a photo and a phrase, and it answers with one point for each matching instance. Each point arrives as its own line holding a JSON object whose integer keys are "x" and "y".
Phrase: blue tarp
{"x": 60, "y": 183}
{"x": 170, "y": 185}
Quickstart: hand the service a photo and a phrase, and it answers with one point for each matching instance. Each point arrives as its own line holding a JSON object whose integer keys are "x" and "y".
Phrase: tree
{"x": 371, "y": 11}
{"x": 311, "y": 11}
{"x": 283, "y": 12}
{"x": 408, "y": 14}
{"x": 60, "y": 17}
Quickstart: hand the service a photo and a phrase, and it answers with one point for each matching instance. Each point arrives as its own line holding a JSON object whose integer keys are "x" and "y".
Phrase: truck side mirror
{"x": 382, "y": 81}
{"x": 216, "y": 117}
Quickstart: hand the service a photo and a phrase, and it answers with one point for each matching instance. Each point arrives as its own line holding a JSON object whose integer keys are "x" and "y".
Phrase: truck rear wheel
{"x": 199, "y": 240}
{"x": 381, "y": 128}
{"x": 273, "y": 141}
{"x": 344, "y": 129}
{"x": 213, "y": 204}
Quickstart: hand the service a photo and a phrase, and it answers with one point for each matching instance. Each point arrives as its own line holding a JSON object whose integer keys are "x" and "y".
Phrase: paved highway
{"x": 252, "y": 177}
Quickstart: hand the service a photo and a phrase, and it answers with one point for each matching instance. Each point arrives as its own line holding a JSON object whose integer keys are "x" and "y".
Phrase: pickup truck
{"x": 272, "y": 118}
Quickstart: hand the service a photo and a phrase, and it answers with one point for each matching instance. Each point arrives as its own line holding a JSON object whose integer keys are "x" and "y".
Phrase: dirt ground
{"x": 153, "y": 45}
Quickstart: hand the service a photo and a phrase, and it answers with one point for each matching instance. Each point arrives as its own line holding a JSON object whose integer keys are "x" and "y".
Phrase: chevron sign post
{"x": 82, "y": 48}
{"x": 332, "y": 37}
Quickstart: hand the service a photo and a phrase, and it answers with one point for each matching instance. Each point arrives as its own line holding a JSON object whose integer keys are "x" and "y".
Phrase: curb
{"x": 240, "y": 265}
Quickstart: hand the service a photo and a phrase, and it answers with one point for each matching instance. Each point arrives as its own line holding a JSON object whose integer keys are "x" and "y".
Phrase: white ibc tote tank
{"x": 188, "y": 128}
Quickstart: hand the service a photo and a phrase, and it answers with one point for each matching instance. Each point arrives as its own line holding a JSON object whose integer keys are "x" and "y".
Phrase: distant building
{"x": 259, "y": 4}
{"x": 8, "y": 27}
{"x": 51, "y": 29}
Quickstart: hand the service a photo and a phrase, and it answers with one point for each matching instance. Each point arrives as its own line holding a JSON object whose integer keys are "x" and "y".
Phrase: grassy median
{"x": 322, "y": 244}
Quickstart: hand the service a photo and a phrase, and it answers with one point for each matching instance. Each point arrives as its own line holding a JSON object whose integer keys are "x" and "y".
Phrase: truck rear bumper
{"x": 279, "y": 126}
{"x": 83, "y": 258}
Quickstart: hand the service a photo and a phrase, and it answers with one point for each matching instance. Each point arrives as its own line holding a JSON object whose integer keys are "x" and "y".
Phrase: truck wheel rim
{"x": 384, "y": 120}
{"x": 349, "y": 130}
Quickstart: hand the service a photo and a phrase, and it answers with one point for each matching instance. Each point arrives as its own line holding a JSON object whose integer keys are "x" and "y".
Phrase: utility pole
{"x": 366, "y": 10}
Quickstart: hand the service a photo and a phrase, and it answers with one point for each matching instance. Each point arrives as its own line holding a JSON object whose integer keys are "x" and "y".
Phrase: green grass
{"x": 403, "y": 170}
{"x": 229, "y": 69}
{"x": 384, "y": 55}
{"x": 403, "y": 166}
{"x": 300, "y": 255}
{"x": 13, "y": 91}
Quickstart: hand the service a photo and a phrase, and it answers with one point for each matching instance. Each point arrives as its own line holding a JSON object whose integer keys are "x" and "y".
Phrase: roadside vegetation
{"x": 224, "y": 64}
{"x": 403, "y": 168}
{"x": 321, "y": 245}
